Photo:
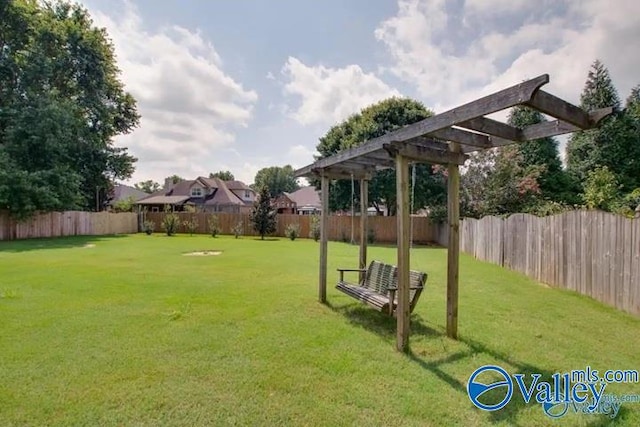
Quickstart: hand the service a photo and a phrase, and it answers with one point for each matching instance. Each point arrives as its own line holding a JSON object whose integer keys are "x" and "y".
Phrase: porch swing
{"x": 378, "y": 284}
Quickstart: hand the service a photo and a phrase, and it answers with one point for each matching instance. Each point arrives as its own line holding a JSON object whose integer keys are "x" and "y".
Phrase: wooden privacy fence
{"x": 591, "y": 252}
{"x": 70, "y": 223}
{"x": 383, "y": 228}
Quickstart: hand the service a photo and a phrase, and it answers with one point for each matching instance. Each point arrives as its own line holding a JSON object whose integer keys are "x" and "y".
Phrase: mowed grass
{"x": 131, "y": 332}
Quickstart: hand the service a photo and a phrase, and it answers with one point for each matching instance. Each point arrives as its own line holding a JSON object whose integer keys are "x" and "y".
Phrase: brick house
{"x": 204, "y": 194}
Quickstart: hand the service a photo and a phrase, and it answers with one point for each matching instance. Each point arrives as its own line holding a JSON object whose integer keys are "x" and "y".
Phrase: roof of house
{"x": 122, "y": 192}
{"x": 305, "y": 196}
{"x": 181, "y": 192}
{"x": 237, "y": 185}
{"x": 163, "y": 200}
{"x": 223, "y": 195}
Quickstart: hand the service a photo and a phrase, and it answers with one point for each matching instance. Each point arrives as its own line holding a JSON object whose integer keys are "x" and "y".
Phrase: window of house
{"x": 247, "y": 194}
{"x": 196, "y": 192}
{"x": 155, "y": 209}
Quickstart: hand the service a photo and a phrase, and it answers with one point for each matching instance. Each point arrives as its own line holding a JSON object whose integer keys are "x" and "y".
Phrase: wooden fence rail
{"x": 383, "y": 228}
{"x": 70, "y": 223}
{"x": 591, "y": 252}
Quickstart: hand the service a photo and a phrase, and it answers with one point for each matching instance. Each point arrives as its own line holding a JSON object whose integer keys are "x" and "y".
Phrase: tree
{"x": 371, "y": 122}
{"x": 223, "y": 175}
{"x": 633, "y": 102}
{"x": 599, "y": 91}
{"x": 499, "y": 182}
{"x": 263, "y": 216}
{"x": 601, "y": 190}
{"x": 61, "y": 105}
{"x": 555, "y": 183}
{"x": 148, "y": 186}
{"x": 584, "y": 152}
{"x": 174, "y": 179}
{"x": 276, "y": 179}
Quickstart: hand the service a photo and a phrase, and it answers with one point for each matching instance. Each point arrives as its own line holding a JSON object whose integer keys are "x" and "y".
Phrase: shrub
{"x": 237, "y": 229}
{"x": 124, "y": 205}
{"x": 371, "y": 236}
{"x": 314, "y": 230}
{"x": 214, "y": 229}
{"x": 292, "y": 231}
{"x": 191, "y": 226}
{"x": 170, "y": 223}
{"x": 149, "y": 227}
{"x": 438, "y": 214}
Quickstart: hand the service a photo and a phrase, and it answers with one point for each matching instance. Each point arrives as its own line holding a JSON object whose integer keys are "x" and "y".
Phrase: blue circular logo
{"x": 556, "y": 409}
{"x": 475, "y": 388}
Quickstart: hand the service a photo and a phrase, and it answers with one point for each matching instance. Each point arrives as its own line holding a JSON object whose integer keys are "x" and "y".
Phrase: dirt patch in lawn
{"x": 202, "y": 253}
{"x": 89, "y": 245}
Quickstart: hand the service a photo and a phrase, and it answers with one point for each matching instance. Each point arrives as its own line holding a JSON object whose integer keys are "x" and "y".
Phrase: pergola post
{"x": 453, "y": 248}
{"x": 404, "y": 238}
{"x": 324, "y": 237}
{"x": 364, "y": 204}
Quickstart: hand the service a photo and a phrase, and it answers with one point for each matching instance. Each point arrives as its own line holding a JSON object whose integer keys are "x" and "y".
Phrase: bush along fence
{"x": 591, "y": 252}
{"x": 70, "y": 223}
{"x": 381, "y": 229}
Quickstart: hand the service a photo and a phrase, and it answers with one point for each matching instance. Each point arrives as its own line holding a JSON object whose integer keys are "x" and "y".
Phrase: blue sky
{"x": 246, "y": 84}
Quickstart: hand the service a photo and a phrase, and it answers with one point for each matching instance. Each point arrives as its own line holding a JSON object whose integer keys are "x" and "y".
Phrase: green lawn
{"x": 131, "y": 332}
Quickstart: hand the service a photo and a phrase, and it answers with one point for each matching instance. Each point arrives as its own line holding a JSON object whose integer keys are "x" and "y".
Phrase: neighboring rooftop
{"x": 305, "y": 196}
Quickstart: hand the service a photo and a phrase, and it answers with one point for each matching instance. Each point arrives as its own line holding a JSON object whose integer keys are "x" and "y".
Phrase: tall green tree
{"x": 277, "y": 179}
{"x": 374, "y": 121}
{"x": 61, "y": 105}
{"x": 554, "y": 181}
{"x": 616, "y": 143}
{"x": 263, "y": 216}
{"x": 148, "y": 186}
{"x": 584, "y": 149}
{"x": 223, "y": 175}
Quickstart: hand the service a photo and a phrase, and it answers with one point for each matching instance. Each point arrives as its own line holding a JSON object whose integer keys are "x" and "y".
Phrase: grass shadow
{"x": 380, "y": 324}
{"x": 66, "y": 242}
{"x": 267, "y": 239}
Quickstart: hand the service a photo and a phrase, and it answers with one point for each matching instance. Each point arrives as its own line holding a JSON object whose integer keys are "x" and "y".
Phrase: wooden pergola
{"x": 445, "y": 139}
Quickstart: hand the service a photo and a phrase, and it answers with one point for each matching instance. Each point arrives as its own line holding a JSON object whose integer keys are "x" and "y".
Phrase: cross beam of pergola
{"x": 446, "y": 139}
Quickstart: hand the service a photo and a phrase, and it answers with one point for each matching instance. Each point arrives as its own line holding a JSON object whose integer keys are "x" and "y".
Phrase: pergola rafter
{"x": 444, "y": 138}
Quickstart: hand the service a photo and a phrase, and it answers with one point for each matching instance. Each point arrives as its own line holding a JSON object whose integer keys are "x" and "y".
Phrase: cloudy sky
{"x": 246, "y": 84}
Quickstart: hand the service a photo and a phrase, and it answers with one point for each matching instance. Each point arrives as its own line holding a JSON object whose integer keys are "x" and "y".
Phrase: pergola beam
{"x": 425, "y": 154}
{"x": 498, "y": 101}
{"x": 559, "y": 127}
{"x": 560, "y": 109}
{"x": 493, "y": 128}
{"x": 463, "y": 137}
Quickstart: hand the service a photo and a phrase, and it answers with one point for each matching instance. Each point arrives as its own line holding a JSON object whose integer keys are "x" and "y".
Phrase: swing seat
{"x": 379, "y": 286}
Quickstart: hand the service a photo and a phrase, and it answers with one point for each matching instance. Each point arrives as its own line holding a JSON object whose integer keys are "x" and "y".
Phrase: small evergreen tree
{"x": 263, "y": 216}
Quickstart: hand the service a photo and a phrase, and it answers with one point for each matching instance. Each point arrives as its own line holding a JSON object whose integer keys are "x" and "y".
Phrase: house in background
{"x": 304, "y": 201}
{"x": 204, "y": 194}
{"x": 123, "y": 192}
{"x": 284, "y": 204}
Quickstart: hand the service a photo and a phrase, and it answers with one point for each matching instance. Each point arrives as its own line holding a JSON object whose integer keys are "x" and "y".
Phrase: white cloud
{"x": 482, "y": 8}
{"x": 190, "y": 107}
{"x": 558, "y": 38}
{"x": 329, "y": 95}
